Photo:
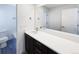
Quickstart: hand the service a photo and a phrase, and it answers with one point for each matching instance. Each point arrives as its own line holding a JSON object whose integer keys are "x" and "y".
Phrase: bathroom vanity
{"x": 32, "y": 46}
{"x": 47, "y": 41}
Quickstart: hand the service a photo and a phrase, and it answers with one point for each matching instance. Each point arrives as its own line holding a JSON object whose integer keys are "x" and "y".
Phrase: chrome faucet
{"x": 36, "y": 28}
{"x": 42, "y": 27}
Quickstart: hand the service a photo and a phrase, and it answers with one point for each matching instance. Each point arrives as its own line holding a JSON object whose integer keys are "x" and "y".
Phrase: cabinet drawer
{"x": 36, "y": 50}
{"x": 40, "y": 46}
{"x": 43, "y": 48}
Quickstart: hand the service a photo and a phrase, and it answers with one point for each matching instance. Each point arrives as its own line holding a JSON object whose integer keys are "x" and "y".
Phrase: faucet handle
{"x": 42, "y": 27}
{"x": 36, "y": 28}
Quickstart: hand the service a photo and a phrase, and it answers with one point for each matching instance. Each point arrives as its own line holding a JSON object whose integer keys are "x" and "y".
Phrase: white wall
{"x": 40, "y": 16}
{"x": 24, "y": 23}
{"x": 8, "y": 18}
{"x": 24, "y": 11}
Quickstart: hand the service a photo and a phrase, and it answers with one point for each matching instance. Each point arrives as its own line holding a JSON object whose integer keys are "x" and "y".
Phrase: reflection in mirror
{"x": 62, "y": 17}
{"x": 7, "y": 29}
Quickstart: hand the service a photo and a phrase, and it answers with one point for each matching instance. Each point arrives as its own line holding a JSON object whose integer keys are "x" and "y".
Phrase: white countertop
{"x": 60, "y": 45}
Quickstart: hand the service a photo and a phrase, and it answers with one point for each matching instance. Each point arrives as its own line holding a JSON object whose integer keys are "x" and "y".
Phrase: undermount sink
{"x": 3, "y": 42}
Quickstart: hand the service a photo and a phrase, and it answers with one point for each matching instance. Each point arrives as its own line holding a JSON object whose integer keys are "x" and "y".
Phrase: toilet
{"x": 3, "y": 42}
{"x": 14, "y": 34}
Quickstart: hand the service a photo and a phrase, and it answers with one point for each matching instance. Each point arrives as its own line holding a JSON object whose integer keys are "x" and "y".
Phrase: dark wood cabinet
{"x": 32, "y": 46}
{"x": 28, "y": 44}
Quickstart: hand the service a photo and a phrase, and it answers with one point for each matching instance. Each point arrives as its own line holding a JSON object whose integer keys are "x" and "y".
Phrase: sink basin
{"x": 34, "y": 32}
{"x": 3, "y": 42}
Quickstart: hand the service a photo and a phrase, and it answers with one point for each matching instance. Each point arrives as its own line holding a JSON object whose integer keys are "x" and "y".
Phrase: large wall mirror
{"x": 62, "y": 17}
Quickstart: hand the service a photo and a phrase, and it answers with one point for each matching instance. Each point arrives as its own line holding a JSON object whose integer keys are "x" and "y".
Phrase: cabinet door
{"x": 40, "y": 47}
{"x": 37, "y": 50}
{"x": 28, "y": 44}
